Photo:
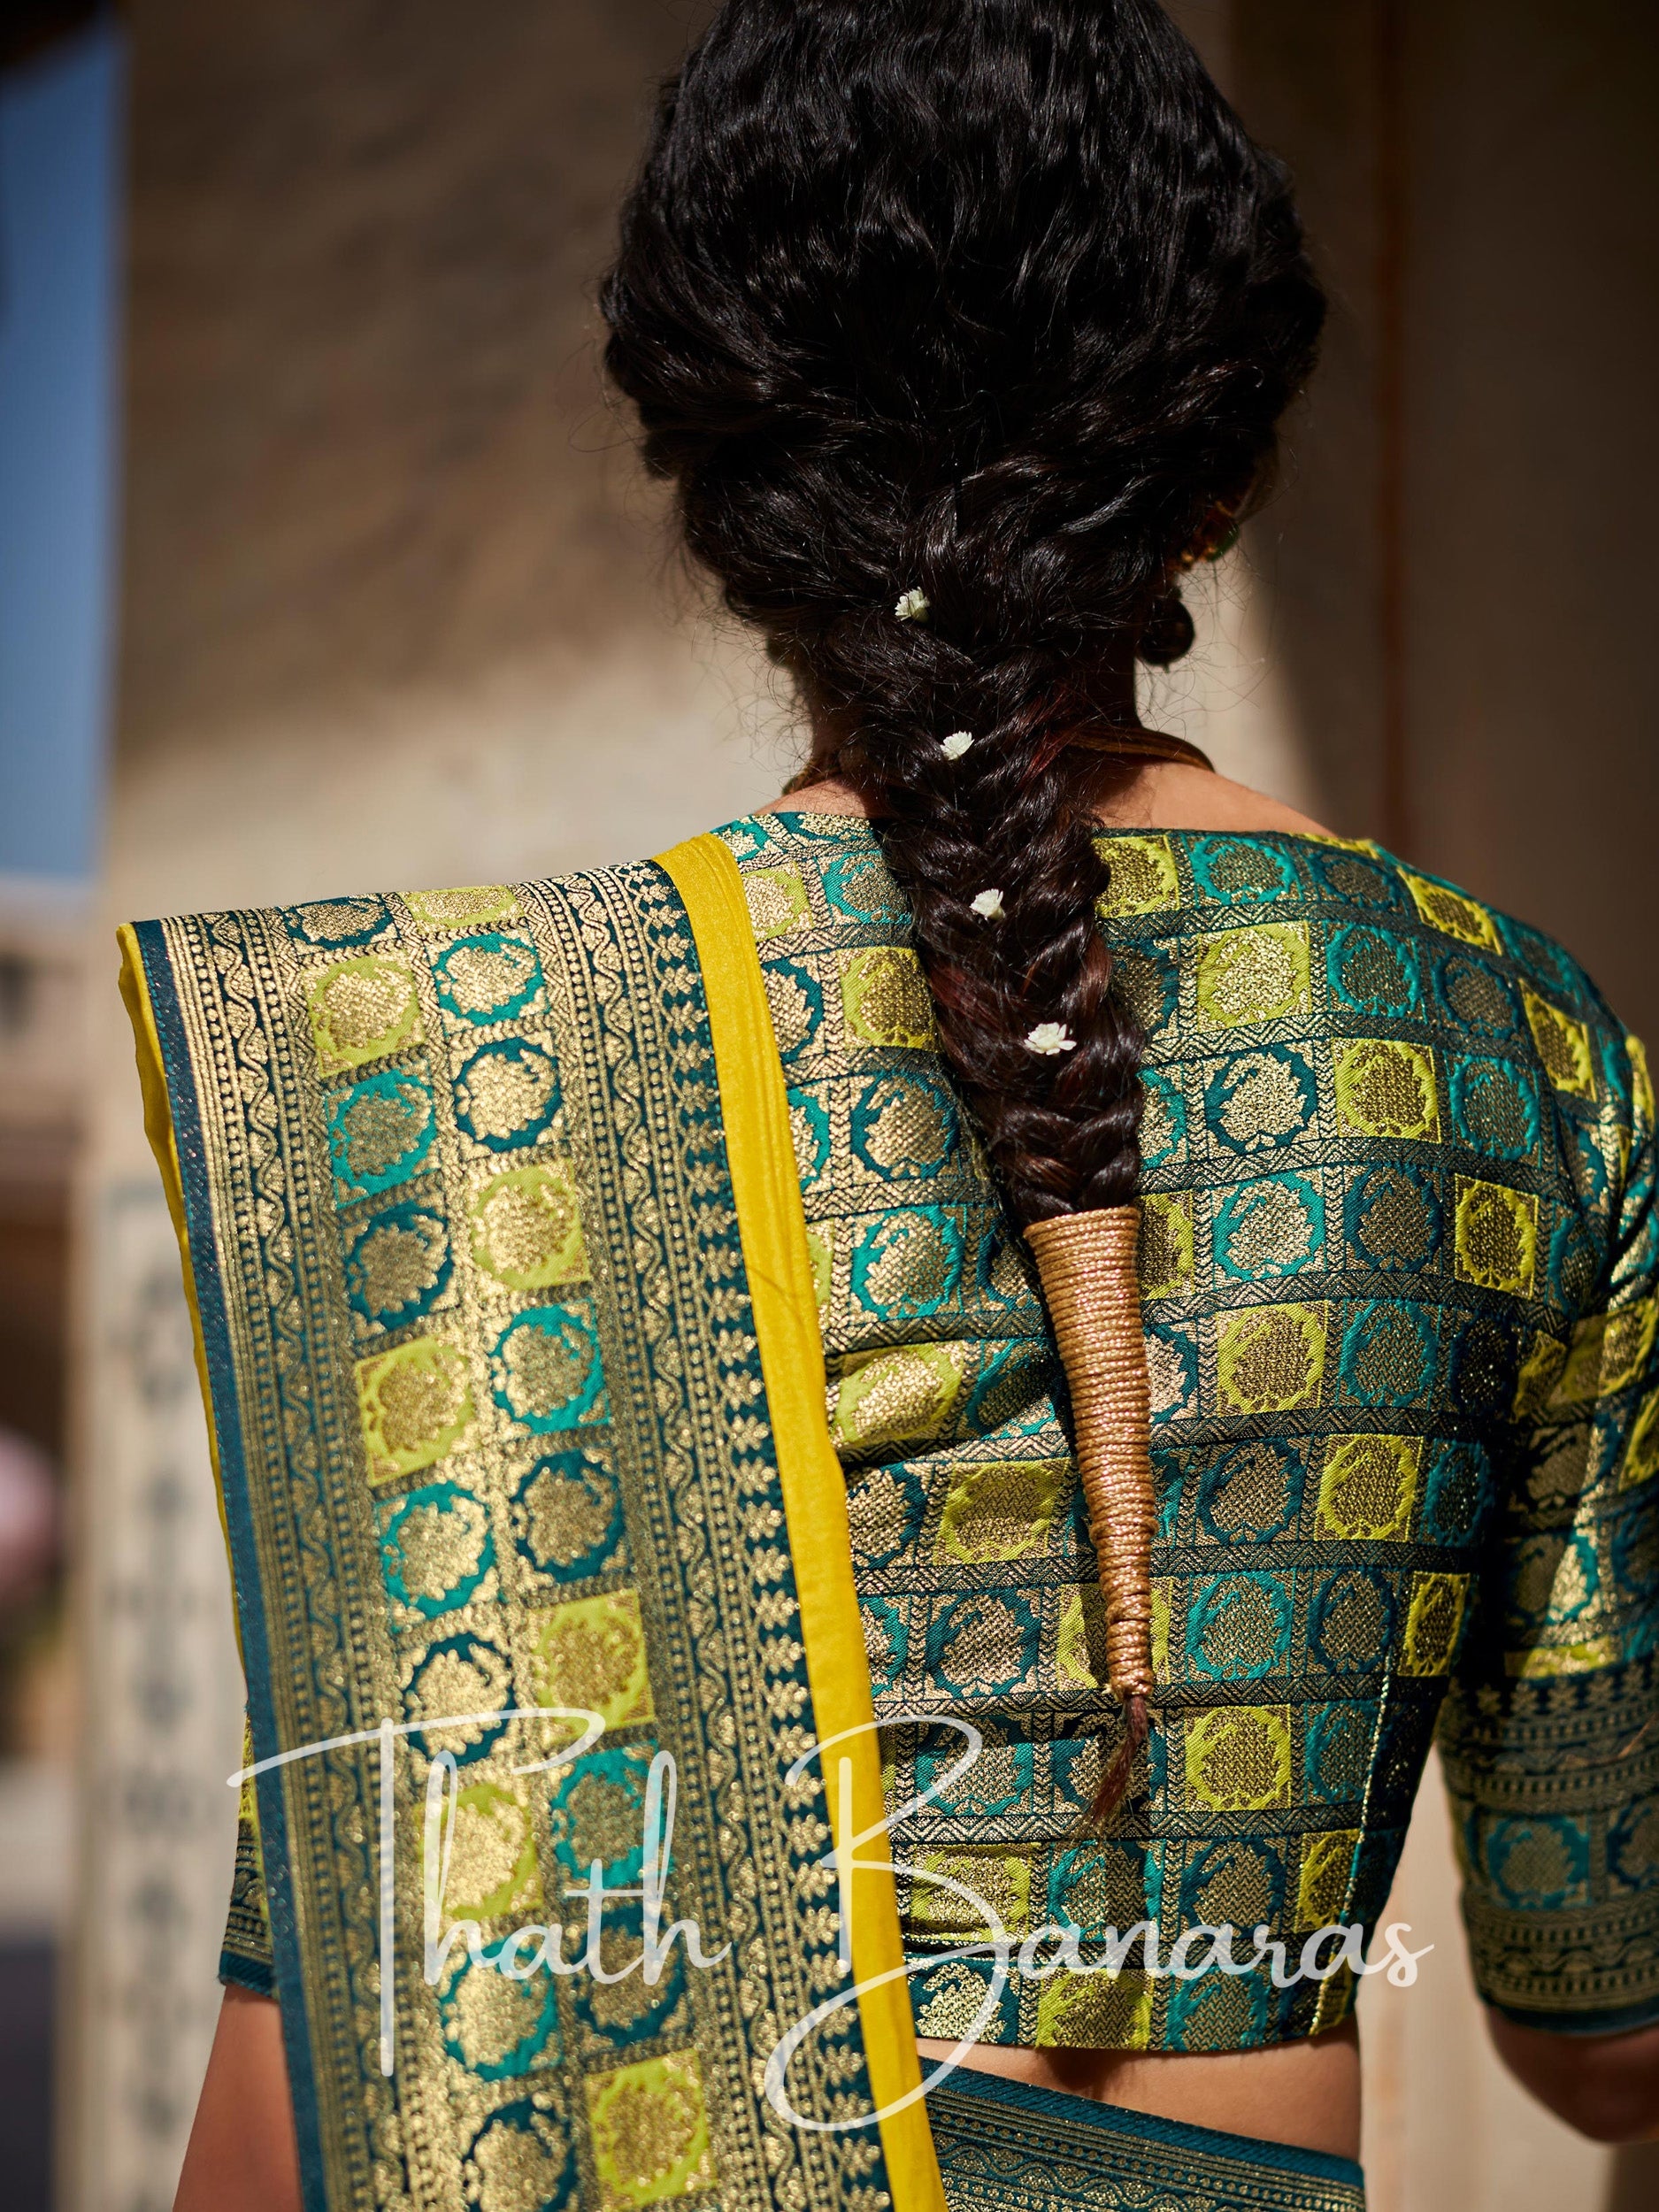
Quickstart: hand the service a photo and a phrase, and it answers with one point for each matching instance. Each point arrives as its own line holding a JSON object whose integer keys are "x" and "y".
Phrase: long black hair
{"x": 994, "y": 304}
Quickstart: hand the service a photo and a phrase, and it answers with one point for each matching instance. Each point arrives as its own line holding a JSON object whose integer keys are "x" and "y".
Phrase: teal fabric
{"x": 1006, "y": 2147}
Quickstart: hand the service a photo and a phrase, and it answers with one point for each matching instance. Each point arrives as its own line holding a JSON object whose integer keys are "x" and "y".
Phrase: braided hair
{"x": 958, "y": 325}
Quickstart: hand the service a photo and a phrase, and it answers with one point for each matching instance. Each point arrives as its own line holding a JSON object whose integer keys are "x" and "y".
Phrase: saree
{"x": 538, "y": 1314}
{"x": 503, "y": 1308}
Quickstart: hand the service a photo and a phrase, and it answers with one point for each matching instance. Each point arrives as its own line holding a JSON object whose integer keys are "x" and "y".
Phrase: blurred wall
{"x": 1461, "y": 562}
{"x": 392, "y": 596}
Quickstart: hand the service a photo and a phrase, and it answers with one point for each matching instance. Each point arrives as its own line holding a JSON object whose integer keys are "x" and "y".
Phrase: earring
{"x": 1216, "y": 538}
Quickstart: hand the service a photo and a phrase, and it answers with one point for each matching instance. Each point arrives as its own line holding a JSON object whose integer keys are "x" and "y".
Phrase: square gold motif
{"x": 1496, "y": 1236}
{"x": 1564, "y": 1046}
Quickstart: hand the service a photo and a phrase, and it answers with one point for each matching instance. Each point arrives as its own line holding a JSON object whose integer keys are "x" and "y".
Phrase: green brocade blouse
{"x": 1398, "y": 1269}
{"x": 505, "y": 1213}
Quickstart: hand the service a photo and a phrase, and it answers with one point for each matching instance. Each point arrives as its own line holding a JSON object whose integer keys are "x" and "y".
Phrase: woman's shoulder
{"x": 1261, "y": 933}
{"x": 1192, "y": 853}
{"x": 1202, "y": 815}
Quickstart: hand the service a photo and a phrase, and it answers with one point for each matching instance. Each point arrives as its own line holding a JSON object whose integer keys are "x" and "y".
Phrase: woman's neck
{"x": 1159, "y": 794}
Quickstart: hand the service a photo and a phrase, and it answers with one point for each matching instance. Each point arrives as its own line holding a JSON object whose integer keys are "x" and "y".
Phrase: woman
{"x": 1233, "y": 1252}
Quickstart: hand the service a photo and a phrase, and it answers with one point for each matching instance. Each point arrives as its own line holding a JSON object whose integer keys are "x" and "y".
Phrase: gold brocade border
{"x": 773, "y": 1226}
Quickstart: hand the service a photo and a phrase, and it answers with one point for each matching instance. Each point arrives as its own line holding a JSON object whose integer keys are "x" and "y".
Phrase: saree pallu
{"x": 493, "y": 1237}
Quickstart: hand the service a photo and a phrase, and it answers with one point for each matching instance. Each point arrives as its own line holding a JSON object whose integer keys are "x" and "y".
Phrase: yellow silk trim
{"x": 773, "y": 1226}
{"x": 158, "y": 1128}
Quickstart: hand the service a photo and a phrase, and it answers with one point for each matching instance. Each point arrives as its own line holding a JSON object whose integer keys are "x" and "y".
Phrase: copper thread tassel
{"x": 1087, "y": 1263}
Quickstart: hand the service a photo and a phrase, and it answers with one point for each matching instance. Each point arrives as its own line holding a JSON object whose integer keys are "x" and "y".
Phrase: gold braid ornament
{"x": 1087, "y": 1263}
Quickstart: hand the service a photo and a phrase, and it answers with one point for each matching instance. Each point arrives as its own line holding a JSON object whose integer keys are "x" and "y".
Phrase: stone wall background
{"x": 398, "y": 609}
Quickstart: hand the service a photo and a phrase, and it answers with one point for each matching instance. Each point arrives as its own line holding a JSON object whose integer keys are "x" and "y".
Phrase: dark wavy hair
{"x": 993, "y": 300}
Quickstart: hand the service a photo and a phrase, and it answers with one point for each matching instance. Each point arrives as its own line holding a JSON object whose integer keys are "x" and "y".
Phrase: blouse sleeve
{"x": 245, "y": 1957}
{"x": 1550, "y": 1733}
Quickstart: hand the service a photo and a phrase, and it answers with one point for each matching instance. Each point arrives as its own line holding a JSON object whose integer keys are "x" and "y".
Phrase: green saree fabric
{"x": 1005, "y": 2146}
{"x": 513, "y": 1408}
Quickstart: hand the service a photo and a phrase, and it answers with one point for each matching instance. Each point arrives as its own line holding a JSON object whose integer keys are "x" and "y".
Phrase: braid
{"x": 1010, "y": 815}
{"x": 989, "y": 308}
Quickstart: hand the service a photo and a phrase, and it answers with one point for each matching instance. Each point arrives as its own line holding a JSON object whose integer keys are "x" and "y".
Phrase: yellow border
{"x": 772, "y": 1225}
{"x": 158, "y": 1128}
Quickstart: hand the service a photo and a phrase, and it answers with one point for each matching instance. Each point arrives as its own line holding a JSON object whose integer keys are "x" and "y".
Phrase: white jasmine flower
{"x": 954, "y": 746}
{"x": 989, "y": 905}
{"x": 1050, "y": 1037}
{"x": 913, "y": 606}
